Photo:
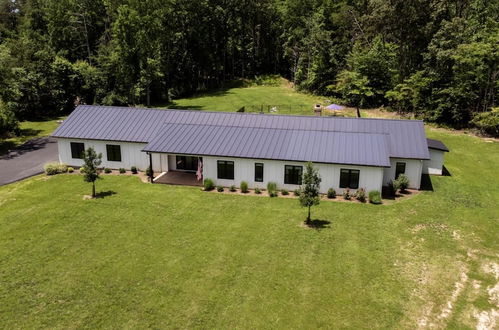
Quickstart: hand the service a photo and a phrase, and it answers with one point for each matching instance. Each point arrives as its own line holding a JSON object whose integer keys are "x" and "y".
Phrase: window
{"x": 113, "y": 152}
{"x": 292, "y": 174}
{"x": 187, "y": 163}
{"x": 225, "y": 169}
{"x": 349, "y": 178}
{"x": 399, "y": 169}
{"x": 258, "y": 172}
{"x": 77, "y": 150}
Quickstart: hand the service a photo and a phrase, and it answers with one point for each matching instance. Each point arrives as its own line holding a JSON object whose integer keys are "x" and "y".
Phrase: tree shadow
{"x": 31, "y": 145}
{"x": 102, "y": 194}
{"x": 426, "y": 184}
{"x": 318, "y": 224}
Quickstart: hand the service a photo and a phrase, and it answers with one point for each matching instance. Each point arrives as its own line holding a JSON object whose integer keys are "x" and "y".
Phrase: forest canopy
{"x": 436, "y": 59}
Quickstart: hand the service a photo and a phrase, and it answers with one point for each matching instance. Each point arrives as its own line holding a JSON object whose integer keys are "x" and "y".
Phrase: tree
{"x": 309, "y": 195}
{"x": 90, "y": 169}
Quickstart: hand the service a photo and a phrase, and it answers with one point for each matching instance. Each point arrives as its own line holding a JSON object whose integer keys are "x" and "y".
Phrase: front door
{"x": 187, "y": 163}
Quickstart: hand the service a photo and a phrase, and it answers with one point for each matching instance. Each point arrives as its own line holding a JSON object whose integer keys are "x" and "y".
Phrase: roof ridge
{"x": 248, "y": 113}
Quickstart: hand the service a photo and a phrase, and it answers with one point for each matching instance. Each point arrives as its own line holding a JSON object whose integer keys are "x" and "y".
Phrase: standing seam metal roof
{"x": 405, "y": 138}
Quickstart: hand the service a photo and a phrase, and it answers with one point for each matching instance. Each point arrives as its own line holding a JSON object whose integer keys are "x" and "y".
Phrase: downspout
{"x": 151, "y": 176}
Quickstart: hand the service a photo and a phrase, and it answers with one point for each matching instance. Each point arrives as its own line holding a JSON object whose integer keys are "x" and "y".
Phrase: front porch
{"x": 179, "y": 178}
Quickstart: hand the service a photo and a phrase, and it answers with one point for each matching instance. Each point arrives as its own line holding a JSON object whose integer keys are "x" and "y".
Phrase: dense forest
{"x": 437, "y": 59}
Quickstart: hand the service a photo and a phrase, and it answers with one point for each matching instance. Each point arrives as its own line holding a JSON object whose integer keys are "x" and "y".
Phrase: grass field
{"x": 157, "y": 256}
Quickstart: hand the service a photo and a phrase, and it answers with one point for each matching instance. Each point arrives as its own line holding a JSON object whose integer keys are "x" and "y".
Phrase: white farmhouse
{"x": 233, "y": 147}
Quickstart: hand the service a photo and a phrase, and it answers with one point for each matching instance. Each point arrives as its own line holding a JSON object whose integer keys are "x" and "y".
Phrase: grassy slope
{"x": 29, "y": 130}
{"x": 169, "y": 256}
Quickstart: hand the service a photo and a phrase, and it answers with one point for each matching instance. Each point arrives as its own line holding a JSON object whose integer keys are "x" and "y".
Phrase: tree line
{"x": 437, "y": 59}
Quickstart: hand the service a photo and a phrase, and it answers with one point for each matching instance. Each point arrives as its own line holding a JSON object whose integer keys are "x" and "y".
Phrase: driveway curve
{"x": 27, "y": 160}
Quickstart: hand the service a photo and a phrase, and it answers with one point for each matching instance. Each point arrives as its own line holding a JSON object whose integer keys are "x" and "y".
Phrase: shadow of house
{"x": 426, "y": 184}
{"x": 445, "y": 171}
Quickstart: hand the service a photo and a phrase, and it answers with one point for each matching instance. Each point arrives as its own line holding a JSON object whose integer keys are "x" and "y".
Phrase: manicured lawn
{"x": 29, "y": 130}
{"x": 254, "y": 99}
{"x": 168, "y": 256}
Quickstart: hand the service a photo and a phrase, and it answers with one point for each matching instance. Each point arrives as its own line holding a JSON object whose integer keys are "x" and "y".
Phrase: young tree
{"x": 92, "y": 161}
{"x": 309, "y": 195}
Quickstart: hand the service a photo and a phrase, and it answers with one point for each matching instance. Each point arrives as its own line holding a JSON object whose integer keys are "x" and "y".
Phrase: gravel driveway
{"x": 27, "y": 160}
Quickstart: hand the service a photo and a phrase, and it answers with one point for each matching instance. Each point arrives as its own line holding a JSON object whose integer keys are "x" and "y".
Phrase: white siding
{"x": 413, "y": 170}
{"x": 435, "y": 164}
{"x": 371, "y": 178}
{"x": 131, "y": 154}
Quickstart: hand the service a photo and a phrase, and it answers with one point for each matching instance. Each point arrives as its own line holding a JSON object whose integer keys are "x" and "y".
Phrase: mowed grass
{"x": 255, "y": 99}
{"x": 175, "y": 257}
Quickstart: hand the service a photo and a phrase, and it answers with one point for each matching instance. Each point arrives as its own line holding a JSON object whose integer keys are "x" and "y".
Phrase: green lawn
{"x": 167, "y": 256}
{"x": 29, "y": 130}
{"x": 255, "y": 99}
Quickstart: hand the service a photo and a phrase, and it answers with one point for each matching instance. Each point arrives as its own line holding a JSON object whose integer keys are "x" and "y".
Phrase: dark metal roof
{"x": 437, "y": 144}
{"x": 268, "y": 143}
{"x": 405, "y": 138}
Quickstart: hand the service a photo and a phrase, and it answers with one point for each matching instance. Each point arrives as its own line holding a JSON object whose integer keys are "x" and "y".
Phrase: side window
{"x": 225, "y": 169}
{"x": 399, "y": 169}
{"x": 292, "y": 174}
{"x": 349, "y": 178}
{"x": 113, "y": 152}
{"x": 258, "y": 172}
{"x": 77, "y": 150}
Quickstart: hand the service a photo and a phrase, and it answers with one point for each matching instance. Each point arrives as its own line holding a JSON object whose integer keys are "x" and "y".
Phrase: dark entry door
{"x": 187, "y": 163}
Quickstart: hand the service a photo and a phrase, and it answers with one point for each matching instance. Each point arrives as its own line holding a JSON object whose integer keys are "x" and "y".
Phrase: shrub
{"x": 272, "y": 189}
{"x": 134, "y": 170}
{"x": 55, "y": 168}
{"x": 393, "y": 186}
{"x": 297, "y": 192}
{"x": 122, "y": 171}
{"x": 71, "y": 170}
{"x": 487, "y": 122}
{"x": 149, "y": 171}
{"x": 361, "y": 195}
{"x": 374, "y": 197}
{"x": 402, "y": 182}
{"x": 258, "y": 191}
{"x": 8, "y": 123}
{"x": 331, "y": 193}
{"x": 82, "y": 170}
{"x": 284, "y": 192}
{"x": 208, "y": 184}
{"x": 50, "y": 168}
{"x": 107, "y": 170}
{"x": 233, "y": 188}
{"x": 244, "y": 187}
{"x": 346, "y": 194}
{"x": 220, "y": 188}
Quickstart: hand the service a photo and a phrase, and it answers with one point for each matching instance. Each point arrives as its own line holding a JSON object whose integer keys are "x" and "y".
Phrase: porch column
{"x": 151, "y": 175}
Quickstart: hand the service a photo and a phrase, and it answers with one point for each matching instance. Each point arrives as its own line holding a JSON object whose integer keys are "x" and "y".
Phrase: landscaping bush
{"x": 361, "y": 195}
{"x": 393, "y": 186}
{"x": 122, "y": 171}
{"x": 149, "y": 171}
{"x": 220, "y": 188}
{"x": 71, "y": 170}
{"x": 374, "y": 197}
{"x": 402, "y": 182}
{"x": 487, "y": 122}
{"x": 82, "y": 170}
{"x": 297, "y": 192}
{"x": 346, "y": 194}
{"x": 331, "y": 193}
{"x": 284, "y": 192}
{"x": 107, "y": 170}
{"x": 233, "y": 188}
{"x": 208, "y": 184}
{"x": 272, "y": 189}
{"x": 55, "y": 168}
{"x": 244, "y": 187}
{"x": 258, "y": 191}
{"x": 134, "y": 170}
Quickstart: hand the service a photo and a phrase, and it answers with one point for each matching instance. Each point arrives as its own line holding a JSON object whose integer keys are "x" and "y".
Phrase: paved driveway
{"x": 27, "y": 160}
